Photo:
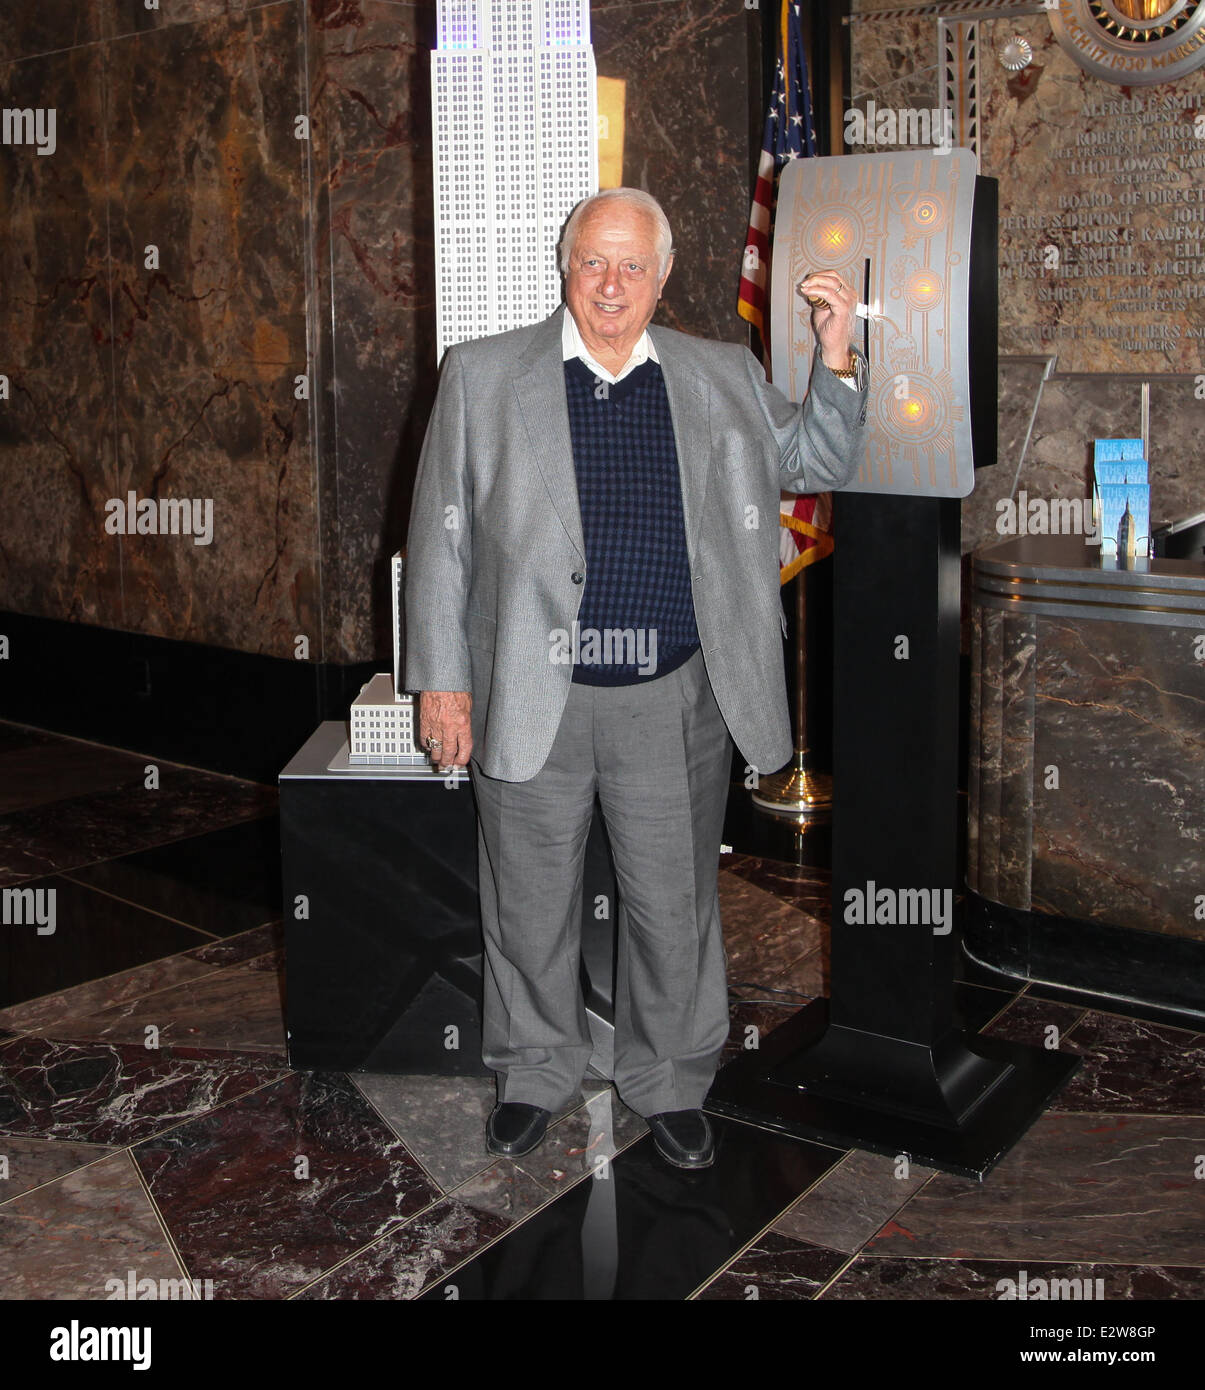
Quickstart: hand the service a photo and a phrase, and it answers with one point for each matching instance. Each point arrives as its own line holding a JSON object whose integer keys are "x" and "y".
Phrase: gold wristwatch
{"x": 855, "y": 372}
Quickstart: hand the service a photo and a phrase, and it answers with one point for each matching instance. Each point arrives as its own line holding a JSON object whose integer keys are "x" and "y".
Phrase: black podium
{"x": 882, "y": 1064}
{"x": 383, "y": 926}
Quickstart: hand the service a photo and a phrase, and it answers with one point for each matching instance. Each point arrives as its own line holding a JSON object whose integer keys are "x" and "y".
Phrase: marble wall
{"x": 1047, "y": 418}
{"x": 278, "y": 258}
{"x": 1087, "y": 777}
{"x": 153, "y": 321}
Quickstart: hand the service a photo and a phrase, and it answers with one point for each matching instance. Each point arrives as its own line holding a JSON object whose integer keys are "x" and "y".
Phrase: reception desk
{"x": 1086, "y": 833}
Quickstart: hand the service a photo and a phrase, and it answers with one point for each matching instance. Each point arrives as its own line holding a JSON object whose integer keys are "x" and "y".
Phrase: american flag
{"x": 805, "y": 520}
{"x": 789, "y": 134}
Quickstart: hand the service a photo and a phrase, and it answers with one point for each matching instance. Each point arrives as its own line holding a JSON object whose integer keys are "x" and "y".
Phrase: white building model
{"x": 515, "y": 116}
{"x": 382, "y": 730}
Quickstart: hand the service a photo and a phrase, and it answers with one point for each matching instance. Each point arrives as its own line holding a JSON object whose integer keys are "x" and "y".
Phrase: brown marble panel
{"x": 407, "y": 1261}
{"x": 1019, "y": 385}
{"x": 36, "y": 1162}
{"x": 894, "y": 64}
{"x": 56, "y": 428}
{"x": 82, "y": 830}
{"x": 852, "y": 1201}
{"x": 686, "y": 141}
{"x": 211, "y": 173}
{"x": 66, "y": 1240}
{"x": 806, "y": 887}
{"x": 373, "y": 231}
{"x": 245, "y": 946}
{"x": 752, "y": 1023}
{"x": 113, "y": 1094}
{"x": 237, "y": 1010}
{"x": 1092, "y": 1187}
{"x": 1020, "y": 766}
{"x": 243, "y": 1213}
{"x": 774, "y": 1268}
{"x": 769, "y": 942}
{"x": 1002, "y": 766}
{"x": 1028, "y": 1020}
{"x": 133, "y": 17}
{"x": 1131, "y": 1066}
{"x": 241, "y": 448}
{"x": 948, "y": 1280}
{"x": 1075, "y": 410}
{"x": 1119, "y": 711}
{"x": 52, "y": 25}
{"x": 41, "y": 774}
{"x": 45, "y": 1016}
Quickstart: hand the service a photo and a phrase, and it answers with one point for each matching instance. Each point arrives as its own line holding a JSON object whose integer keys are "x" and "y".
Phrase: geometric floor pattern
{"x": 152, "y": 1129}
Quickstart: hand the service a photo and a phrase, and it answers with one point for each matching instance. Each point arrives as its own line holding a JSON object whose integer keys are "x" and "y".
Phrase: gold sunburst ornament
{"x": 1134, "y": 43}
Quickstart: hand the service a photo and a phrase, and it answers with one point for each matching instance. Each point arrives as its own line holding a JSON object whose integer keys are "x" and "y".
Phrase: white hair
{"x": 636, "y": 196}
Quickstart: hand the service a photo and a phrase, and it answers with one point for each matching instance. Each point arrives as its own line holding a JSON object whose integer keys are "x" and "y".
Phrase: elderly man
{"x": 592, "y": 607}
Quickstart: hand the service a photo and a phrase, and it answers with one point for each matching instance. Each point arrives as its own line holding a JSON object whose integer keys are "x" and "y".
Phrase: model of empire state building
{"x": 514, "y": 111}
{"x": 382, "y": 724}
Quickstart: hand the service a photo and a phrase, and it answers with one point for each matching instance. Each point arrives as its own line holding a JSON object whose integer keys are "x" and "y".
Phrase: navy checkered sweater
{"x": 630, "y": 496}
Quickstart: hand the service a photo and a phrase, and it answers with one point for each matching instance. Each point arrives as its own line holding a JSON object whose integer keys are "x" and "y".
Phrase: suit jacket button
{"x": 578, "y": 577}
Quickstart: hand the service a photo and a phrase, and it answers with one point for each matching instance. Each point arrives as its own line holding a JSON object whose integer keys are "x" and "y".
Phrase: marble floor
{"x": 150, "y": 1122}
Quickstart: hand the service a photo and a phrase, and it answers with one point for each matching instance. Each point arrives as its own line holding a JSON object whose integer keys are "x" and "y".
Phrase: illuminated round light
{"x": 835, "y": 235}
{"x": 923, "y": 290}
{"x": 832, "y": 237}
{"x": 917, "y": 417}
{"x": 927, "y": 214}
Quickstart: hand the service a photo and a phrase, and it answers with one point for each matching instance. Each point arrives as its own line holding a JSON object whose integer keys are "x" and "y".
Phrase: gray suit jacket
{"x": 496, "y": 536}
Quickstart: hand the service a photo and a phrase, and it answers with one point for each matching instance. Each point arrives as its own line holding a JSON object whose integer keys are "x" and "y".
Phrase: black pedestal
{"x": 383, "y": 924}
{"x": 882, "y": 1064}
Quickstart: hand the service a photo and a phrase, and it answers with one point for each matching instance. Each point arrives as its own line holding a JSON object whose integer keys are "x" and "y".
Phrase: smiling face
{"x": 614, "y": 279}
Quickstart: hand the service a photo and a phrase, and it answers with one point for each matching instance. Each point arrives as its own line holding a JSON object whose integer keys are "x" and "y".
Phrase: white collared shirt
{"x": 644, "y": 351}
{"x": 572, "y": 346}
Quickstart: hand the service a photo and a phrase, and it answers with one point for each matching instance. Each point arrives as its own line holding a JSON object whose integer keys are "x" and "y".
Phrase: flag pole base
{"x": 798, "y": 790}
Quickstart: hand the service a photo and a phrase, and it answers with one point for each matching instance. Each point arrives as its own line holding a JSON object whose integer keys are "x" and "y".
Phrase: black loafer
{"x": 515, "y": 1129}
{"x": 683, "y": 1138}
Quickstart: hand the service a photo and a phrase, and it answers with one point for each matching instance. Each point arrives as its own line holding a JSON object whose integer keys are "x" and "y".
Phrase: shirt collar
{"x": 572, "y": 346}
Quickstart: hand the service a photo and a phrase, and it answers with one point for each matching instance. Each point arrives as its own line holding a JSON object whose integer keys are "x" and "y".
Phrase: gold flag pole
{"x": 799, "y": 790}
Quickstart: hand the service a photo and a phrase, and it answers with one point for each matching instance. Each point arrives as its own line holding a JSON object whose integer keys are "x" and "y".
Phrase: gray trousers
{"x": 658, "y": 754}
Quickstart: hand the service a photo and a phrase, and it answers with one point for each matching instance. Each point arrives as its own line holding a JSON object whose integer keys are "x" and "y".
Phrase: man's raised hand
{"x": 834, "y": 319}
